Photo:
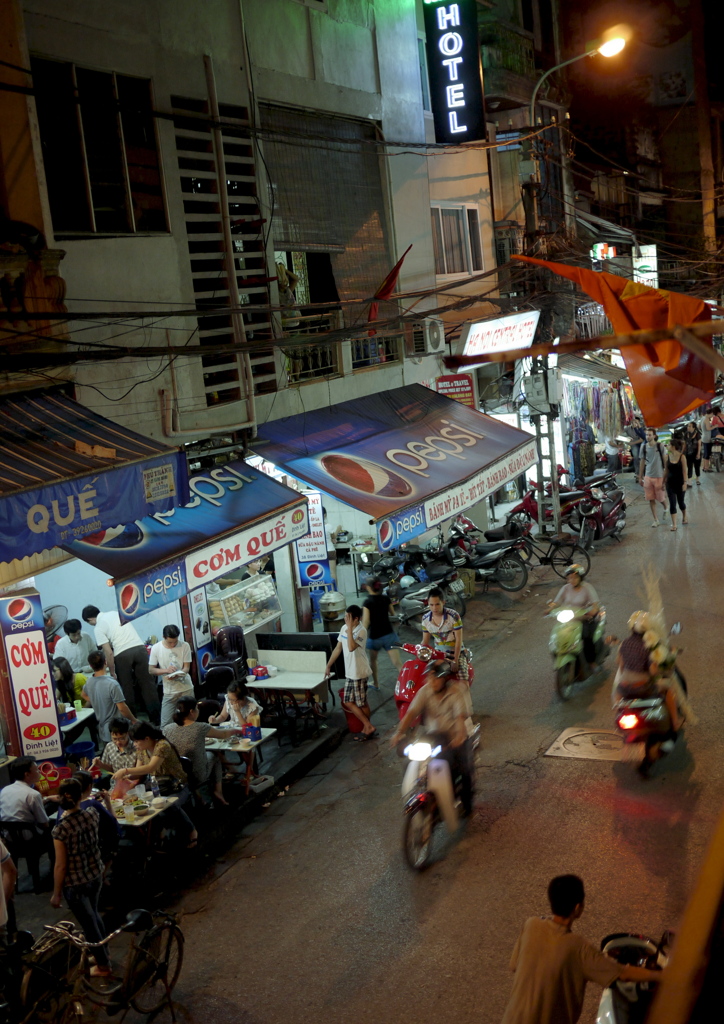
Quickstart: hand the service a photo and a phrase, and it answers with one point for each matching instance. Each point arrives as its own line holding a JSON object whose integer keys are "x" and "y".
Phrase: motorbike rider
{"x": 577, "y": 594}
{"x": 442, "y": 628}
{"x": 443, "y": 704}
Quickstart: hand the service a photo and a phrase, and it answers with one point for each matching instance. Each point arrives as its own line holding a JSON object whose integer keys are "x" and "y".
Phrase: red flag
{"x": 386, "y": 289}
{"x": 667, "y": 378}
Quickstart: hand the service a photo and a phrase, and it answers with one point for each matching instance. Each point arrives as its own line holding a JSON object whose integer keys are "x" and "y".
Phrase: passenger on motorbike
{"x": 442, "y": 628}
{"x": 577, "y": 594}
{"x": 636, "y": 671}
{"x": 443, "y": 704}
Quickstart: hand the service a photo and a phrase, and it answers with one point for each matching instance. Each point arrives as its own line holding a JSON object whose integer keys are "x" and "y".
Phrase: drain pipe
{"x": 237, "y": 319}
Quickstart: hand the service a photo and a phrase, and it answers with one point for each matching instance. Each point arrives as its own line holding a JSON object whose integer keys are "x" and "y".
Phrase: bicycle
{"x": 152, "y": 968}
{"x": 560, "y": 553}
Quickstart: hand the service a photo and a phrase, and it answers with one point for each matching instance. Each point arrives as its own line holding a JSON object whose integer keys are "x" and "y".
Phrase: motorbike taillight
{"x": 628, "y": 721}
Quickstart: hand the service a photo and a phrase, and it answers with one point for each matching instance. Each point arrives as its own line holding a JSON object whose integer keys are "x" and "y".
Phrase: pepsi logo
{"x": 315, "y": 571}
{"x": 20, "y": 610}
{"x": 386, "y": 534}
{"x": 366, "y": 477}
{"x": 121, "y": 537}
{"x": 130, "y": 599}
{"x": 205, "y": 660}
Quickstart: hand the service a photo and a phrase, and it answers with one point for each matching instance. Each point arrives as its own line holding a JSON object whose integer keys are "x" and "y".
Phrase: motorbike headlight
{"x": 598, "y": 493}
{"x": 566, "y": 615}
{"x": 418, "y": 751}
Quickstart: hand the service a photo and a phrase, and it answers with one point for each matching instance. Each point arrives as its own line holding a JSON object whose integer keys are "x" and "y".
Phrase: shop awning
{"x": 235, "y": 514}
{"x": 591, "y": 367}
{"x": 67, "y": 472}
{"x": 409, "y": 458}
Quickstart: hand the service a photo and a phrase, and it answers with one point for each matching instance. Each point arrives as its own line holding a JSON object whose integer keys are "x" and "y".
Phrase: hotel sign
{"x": 453, "y": 59}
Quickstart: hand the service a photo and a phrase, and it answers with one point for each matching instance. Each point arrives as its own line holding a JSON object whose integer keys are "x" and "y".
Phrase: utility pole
{"x": 703, "y": 126}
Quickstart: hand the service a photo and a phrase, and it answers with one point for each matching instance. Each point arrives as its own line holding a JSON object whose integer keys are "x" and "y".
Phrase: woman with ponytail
{"x": 78, "y": 872}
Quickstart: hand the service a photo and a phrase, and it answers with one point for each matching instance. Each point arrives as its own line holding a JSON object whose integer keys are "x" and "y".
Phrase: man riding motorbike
{"x": 443, "y": 703}
{"x": 577, "y": 594}
{"x": 442, "y": 628}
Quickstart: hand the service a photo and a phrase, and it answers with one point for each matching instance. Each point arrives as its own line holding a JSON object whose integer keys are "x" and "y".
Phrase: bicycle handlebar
{"x": 59, "y": 929}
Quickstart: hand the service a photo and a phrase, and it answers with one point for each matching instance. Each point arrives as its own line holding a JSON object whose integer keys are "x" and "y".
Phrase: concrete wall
{"x": 359, "y": 59}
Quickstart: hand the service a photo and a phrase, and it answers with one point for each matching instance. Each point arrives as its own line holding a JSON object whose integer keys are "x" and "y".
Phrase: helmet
{"x": 574, "y": 567}
{"x": 407, "y": 581}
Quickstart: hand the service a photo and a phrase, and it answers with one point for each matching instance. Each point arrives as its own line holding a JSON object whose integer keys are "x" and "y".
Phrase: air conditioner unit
{"x": 425, "y": 337}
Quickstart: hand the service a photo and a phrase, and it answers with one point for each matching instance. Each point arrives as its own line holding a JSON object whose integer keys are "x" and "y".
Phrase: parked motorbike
{"x": 411, "y": 676}
{"x": 647, "y": 719}
{"x": 716, "y": 454}
{"x": 603, "y": 515}
{"x": 566, "y": 646}
{"x": 499, "y": 562}
{"x": 628, "y": 1002}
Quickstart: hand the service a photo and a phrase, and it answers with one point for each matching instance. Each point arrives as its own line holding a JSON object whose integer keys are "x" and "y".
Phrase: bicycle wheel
{"x": 155, "y": 967}
{"x": 566, "y": 554}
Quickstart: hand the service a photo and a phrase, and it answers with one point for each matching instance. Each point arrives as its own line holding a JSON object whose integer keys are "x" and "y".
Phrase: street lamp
{"x": 612, "y": 42}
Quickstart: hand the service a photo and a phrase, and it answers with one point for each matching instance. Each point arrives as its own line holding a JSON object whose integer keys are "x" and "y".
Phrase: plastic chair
{"x": 32, "y": 849}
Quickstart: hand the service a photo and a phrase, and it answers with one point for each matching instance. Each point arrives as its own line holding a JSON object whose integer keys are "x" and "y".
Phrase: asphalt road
{"x": 314, "y": 916}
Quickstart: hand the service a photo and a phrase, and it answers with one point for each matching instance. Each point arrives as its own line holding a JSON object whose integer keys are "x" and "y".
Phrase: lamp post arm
{"x": 541, "y": 80}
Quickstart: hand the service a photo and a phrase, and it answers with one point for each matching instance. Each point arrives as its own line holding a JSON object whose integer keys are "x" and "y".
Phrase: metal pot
{"x": 332, "y": 605}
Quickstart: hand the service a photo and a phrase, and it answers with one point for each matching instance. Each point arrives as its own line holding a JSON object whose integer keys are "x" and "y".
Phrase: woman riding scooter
{"x": 577, "y": 594}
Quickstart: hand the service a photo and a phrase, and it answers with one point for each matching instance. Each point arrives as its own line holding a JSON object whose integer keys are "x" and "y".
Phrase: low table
{"x": 153, "y": 812}
{"x": 84, "y": 719}
{"x": 246, "y": 752}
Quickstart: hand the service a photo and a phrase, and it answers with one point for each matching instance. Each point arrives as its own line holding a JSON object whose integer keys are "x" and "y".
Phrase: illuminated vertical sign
{"x": 453, "y": 60}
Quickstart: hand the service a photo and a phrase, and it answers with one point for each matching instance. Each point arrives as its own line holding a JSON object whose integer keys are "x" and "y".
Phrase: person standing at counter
{"x": 170, "y": 661}
{"x": 126, "y": 657}
{"x": 75, "y": 646}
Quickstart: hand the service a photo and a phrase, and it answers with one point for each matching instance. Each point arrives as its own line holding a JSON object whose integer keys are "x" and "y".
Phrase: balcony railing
{"x": 504, "y": 49}
{"x": 373, "y": 351}
{"x": 311, "y": 362}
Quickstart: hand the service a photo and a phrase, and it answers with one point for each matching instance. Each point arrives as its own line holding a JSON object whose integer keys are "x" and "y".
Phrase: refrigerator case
{"x": 250, "y": 604}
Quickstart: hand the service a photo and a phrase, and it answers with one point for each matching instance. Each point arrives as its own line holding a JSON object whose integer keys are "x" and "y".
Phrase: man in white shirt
{"x": 20, "y": 801}
{"x": 7, "y": 889}
{"x": 75, "y": 646}
{"x": 126, "y": 658}
{"x": 170, "y": 660}
{"x": 351, "y": 642}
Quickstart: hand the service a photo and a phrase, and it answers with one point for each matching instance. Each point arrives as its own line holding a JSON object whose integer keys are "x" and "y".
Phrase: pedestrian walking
{"x": 381, "y": 636}
{"x": 351, "y": 642}
{"x": 637, "y": 434}
{"x": 651, "y": 473}
{"x": 170, "y": 661}
{"x": 692, "y": 437}
{"x": 675, "y": 480}
{"x": 705, "y": 428}
{"x": 127, "y": 658}
{"x": 78, "y": 874}
{"x": 553, "y": 965}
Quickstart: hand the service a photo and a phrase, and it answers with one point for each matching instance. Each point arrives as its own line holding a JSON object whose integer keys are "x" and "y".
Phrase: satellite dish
{"x": 53, "y": 619}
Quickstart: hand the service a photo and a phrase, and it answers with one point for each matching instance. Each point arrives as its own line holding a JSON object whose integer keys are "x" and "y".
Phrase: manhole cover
{"x": 589, "y": 744}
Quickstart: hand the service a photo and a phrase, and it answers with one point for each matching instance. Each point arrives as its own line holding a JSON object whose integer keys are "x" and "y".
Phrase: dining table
{"x": 295, "y": 672}
{"x": 243, "y": 747}
{"x": 84, "y": 719}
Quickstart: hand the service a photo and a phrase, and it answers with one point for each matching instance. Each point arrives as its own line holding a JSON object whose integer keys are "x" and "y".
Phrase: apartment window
{"x": 99, "y": 150}
{"x": 456, "y": 240}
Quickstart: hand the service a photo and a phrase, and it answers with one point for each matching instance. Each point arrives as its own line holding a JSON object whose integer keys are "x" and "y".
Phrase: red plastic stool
{"x": 353, "y": 723}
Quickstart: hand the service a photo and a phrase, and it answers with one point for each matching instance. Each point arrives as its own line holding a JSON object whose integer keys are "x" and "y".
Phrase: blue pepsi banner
{"x": 63, "y": 513}
{"x": 31, "y": 681}
{"x": 315, "y": 574}
{"x": 236, "y": 514}
{"x": 389, "y": 453}
{"x": 400, "y": 528}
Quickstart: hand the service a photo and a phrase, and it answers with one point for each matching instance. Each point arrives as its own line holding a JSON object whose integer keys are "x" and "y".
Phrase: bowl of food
{"x": 141, "y": 809}
{"x": 158, "y": 801}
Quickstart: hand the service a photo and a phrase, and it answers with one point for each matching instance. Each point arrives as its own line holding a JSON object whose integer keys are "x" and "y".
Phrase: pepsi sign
{"x": 400, "y": 528}
{"x": 149, "y": 591}
{"x": 315, "y": 574}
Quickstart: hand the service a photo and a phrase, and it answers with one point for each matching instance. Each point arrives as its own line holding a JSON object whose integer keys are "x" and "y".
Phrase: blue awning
{"x": 67, "y": 473}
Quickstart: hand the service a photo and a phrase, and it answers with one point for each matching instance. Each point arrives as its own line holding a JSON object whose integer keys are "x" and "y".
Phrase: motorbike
{"x": 716, "y": 453}
{"x": 602, "y": 515}
{"x": 647, "y": 719}
{"x": 411, "y": 676}
{"x": 499, "y": 562}
{"x": 566, "y": 646}
{"x": 628, "y": 1002}
{"x": 569, "y": 498}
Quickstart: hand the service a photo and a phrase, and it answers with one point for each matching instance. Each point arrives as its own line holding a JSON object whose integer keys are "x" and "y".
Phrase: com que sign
{"x": 453, "y": 59}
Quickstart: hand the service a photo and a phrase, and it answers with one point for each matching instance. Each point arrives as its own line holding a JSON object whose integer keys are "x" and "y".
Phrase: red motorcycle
{"x": 603, "y": 514}
{"x": 412, "y": 674}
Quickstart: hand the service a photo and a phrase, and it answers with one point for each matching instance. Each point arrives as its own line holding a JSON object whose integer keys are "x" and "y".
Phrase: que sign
{"x": 21, "y": 622}
{"x": 453, "y": 60}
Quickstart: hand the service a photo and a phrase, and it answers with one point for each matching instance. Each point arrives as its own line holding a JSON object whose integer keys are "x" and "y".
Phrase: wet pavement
{"x": 313, "y": 915}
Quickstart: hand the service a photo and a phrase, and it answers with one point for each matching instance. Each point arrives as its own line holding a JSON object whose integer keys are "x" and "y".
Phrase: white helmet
{"x": 574, "y": 567}
{"x": 407, "y": 581}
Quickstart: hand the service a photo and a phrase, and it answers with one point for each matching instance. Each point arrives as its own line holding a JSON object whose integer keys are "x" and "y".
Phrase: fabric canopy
{"x": 66, "y": 472}
{"x": 668, "y": 380}
{"x": 236, "y": 514}
{"x": 409, "y": 458}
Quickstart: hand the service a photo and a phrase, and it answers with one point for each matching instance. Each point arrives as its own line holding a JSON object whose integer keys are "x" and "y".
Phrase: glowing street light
{"x": 611, "y": 42}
